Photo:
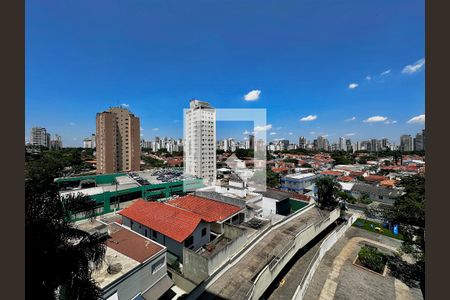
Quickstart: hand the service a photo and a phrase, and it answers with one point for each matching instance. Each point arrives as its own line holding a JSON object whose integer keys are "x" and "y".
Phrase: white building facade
{"x": 200, "y": 141}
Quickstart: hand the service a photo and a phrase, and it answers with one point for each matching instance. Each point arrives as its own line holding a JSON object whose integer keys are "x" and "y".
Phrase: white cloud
{"x": 291, "y": 133}
{"x": 350, "y": 119}
{"x": 385, "y": 72}
{"x": 272, "y": 133}
{"x": 350, "y": 134}
{"x": 142, "y": 135}
{"x": 278, "y": 128}
{"x": 246, "y": 132}
{"x": 75, "y": 139}
{"x": 155, "y": 129}
{"x": 263, "y": 128}
{"x": 325, "y": 135}
{"x": 312, "y": 132}
{"x": 375, "y": 119}
{"x": 252, "y": 95}
{"x": 308, "y": 118}
{"x": 353, "y": 85}
{"x": 72, "y": 124}
{"x": 417, "y": 66}
{"x": 417, "y": 119}
{"x": 390, "y": 122}
{"x": 142, "y": 129}
{"x": 368, "y": 77}
{"x": 125, "y": 105}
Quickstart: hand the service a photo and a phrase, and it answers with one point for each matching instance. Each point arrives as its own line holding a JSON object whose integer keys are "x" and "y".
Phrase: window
{"x": 189, "y": 241}
{"x": 158, "y": 265}
{"x": 203, "y": 231}
{"x": 154, "y": 234}
{"x": 146, "y": 234}
{"x": 380, "y": 197}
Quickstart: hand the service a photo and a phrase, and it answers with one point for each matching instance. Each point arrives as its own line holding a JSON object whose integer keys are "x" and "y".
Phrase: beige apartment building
{"x": 117, "y": 141}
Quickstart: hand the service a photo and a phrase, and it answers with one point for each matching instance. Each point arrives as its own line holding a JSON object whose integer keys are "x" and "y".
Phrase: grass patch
{"x": 365, "y": 224}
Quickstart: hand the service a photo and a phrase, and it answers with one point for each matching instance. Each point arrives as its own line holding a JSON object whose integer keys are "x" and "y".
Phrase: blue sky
{"x": 304, "y": 57}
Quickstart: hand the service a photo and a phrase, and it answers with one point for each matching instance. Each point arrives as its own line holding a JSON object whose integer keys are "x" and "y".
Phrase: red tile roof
{"x": 279, "y": 170}
{"x": 375, "y": 178}
{"x": 178, "y": 224}
{"x": 133, "y": 245}
{"x": 345, "y": 178}
{"x": 209, "y": 210}
{"x": 330, "y": 172}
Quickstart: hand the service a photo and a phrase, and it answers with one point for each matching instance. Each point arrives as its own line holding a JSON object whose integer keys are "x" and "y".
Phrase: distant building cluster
{"x": 40, "y": 137}
{"x": 231, "y": 144}
{"x": 89, "y": 142}
{"x": 170, "y": 144}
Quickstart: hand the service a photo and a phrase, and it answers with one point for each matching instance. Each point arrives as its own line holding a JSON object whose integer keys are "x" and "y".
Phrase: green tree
{"x": 59, "y": 257}
{"x": 408, "y": 212}
{"x": 328, "y": 191}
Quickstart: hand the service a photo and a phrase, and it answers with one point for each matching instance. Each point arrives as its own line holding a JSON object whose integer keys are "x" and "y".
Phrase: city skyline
{"x": 353, "y": 68}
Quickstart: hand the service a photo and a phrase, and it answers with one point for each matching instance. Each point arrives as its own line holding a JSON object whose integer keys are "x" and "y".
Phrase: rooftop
{"x": 125, "y": 251}
{"x": 131, "y": 244}
{"x": 178, "y": 224}
{"x": 275, "y": 194}
{"x": 209, "y": 210}
{"x": 300, "y": 175}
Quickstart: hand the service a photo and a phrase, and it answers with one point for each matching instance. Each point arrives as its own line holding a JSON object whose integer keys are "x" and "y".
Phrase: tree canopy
{"x": 328, "y": 191}
{"x": 59, "y": 257}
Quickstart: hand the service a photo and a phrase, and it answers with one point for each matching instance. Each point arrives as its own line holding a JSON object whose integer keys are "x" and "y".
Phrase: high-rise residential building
{"x": 406, "y": 143}
{"x": 56, "y": 144}
{"x": 200, "y": 140}
{"x": 423, "y": 139}
{"x": 118, "y": 141}
{"x": 39, "y": 137}
{"x": 89, "y": 142}
{"x": 251, "y": 141}
{"x": 321, "y": 143}
{"x": 418, "y": 142}
{"x": 302, "y": 142}
{"x": 349, "y": 145}
{"x": 342, "y": 144}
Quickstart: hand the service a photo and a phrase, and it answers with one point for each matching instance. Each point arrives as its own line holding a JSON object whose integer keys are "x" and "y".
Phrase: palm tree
{"x": 59, "y": 257}
{"x": 327, "y": 191}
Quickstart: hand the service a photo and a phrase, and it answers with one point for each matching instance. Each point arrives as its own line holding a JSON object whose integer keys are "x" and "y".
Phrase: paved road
{"x": 294, "y": 275}
{"x": 236, "y": 282}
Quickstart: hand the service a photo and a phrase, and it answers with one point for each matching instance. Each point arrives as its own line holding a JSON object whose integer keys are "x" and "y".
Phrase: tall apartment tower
{"x": 200, "y": 141}
{"x": 251, "y": 141}
{"x": 302, "y": 142}
{"x": 406, "y": 143}
{"x": 40, "y": 137}
{"x": 117, "y": 141}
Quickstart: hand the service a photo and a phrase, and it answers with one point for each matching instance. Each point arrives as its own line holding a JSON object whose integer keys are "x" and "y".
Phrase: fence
{"x": 323, "y": 249}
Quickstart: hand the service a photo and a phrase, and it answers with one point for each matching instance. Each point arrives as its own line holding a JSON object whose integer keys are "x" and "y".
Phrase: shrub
{"x": 372, "y": 259}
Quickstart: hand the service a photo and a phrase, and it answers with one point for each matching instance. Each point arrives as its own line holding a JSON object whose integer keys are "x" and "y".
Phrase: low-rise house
{"x": 182, "y": 222}
{"x": 333, "y": 173}
{"x": 214, "y": 212}
{"x": 134, "y": 266}
{"x": 299, "y": 182}
{"x": 375, "y": 179}
{"x": 276, "y": 202}
{"x": 375, "y": 193}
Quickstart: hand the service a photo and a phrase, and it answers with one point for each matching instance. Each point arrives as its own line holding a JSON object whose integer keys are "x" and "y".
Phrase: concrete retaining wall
{"x": 268, "y": 274}
{"x": 198, "y": 267}
{"x": 314, "y": 264}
